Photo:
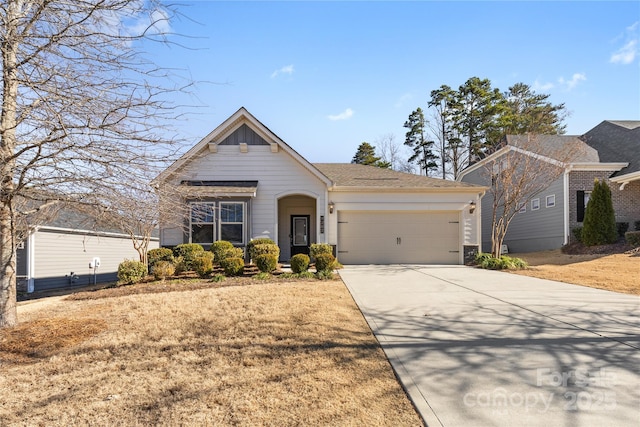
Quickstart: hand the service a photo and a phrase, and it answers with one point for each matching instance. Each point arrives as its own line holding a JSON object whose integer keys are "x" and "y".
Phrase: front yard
{"x": 281, "y": 353}
{"x": 618, "y": 272}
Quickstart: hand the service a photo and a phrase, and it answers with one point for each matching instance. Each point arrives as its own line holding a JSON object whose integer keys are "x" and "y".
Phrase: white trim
{"x": 546, "y": 201}
{"x": 623, "y": 180}
{"x": 88, "y": 232}
{"x": 243, "y": 222}
{"x": 537, "y": 200}
{"x": 482, "y": 162}
{"x": 586, "y": 167}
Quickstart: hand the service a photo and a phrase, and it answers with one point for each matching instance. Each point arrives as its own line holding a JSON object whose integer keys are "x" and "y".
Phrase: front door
{"x": 299, "y": 234}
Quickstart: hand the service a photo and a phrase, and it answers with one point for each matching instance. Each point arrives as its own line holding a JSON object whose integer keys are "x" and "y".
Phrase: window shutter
{"x": 580, "y": 206}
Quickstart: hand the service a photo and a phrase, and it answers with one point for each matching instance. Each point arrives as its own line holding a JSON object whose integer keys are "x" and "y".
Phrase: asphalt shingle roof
{"x": 558, "y": 147}
{"x": 356, "y": 175}
{"x": 617, "y": 141}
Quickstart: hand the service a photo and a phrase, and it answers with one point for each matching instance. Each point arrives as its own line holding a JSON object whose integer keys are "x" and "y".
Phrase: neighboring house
{"x": 610, "y": 152}
{"x": 62, "y": 252}
{"x": 242, "y": 182}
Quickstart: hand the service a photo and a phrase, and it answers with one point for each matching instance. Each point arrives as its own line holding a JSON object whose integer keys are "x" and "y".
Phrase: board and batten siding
{"x": 529, "y": 231}
{"x": 56, "y": 254}
{"x": 278, "y": 175}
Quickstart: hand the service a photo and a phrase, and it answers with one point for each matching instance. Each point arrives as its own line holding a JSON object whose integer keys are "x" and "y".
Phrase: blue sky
{"x": 326, "y": 76}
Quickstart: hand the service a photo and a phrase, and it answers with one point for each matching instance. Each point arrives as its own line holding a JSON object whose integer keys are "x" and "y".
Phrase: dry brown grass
{"x": 615, "y": 272}
{"x": 263, "y": 354}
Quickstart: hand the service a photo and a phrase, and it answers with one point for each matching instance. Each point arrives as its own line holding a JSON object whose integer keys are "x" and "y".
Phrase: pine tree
{"x": 599, "y": 226}
{"x": 366, "y": 155}
{"x": 422, "y": 148}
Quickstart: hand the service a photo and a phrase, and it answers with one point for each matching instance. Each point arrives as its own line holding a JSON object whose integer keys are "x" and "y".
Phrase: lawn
{"x": 198, "y": 353}
{"x": 618, "y": 272}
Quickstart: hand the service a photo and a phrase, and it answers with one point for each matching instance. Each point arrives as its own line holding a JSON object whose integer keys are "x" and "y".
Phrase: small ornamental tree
{"x": 599, "y": 226}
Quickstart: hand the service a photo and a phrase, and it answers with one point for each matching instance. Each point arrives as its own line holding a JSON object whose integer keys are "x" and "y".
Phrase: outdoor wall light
{"x": 472, "y": 207}
{"x": 331, "y": 207}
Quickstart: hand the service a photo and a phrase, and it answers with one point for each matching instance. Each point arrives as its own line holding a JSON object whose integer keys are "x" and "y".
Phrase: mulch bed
{"x": 577, "y": 248}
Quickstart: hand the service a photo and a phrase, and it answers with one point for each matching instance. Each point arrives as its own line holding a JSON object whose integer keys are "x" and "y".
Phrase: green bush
{"x": 488, "y": 262}
{"x": 636, "y": 225}
{"x": 262, "y": 249}
{"x": 130, "y": 271}
{"x": 632, "y": 238}
{"x": 233, "y": 266}
{"x": 299, "y": 263}
{"x": 320, "y": 248}
{"x": 622, "y": 228}
{"x": 324, "y": 275}
{"x": 325, "y": 262}
{"x": 258, "y": 241}
{"x": 187, "y": 252}
{"x": 222, "y": 250}
{"x": 218, "y": 278}
{"x": 159, "y": 254}
{"x": 577, "y": 233}
{"x": 263, "y": 276}
{"x": 163, "y": 269}
{"x": 203, "y": 264}
{"x": 305, "y": 275}
{"x": 599, "y": 226}
{"x": 266, "y": 262}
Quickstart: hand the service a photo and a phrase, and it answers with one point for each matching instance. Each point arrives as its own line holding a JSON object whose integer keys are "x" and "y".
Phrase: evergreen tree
{"x": 366, "y": 155}
{"x": 599, "y": 226}
{"x": 422, "y": 148}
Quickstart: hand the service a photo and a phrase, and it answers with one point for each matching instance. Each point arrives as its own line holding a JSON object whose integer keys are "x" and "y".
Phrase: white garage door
{"x": 383, "y": 237}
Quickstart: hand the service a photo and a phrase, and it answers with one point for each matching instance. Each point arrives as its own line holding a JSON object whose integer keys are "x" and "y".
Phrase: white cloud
{"x": 626, "y": 54}
{"x": 287, "y": 69}
{"x": 538, "y": 86}
{"x": 345, "y": 115}
{"x": 629, "y": 51}
{"x": 573, "y": 82}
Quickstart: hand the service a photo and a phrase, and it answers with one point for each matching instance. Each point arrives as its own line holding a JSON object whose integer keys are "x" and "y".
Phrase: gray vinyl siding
{"x": 244, "y": 134}
{"x": 530, "y": 231}
{"x": 57, "y": 254}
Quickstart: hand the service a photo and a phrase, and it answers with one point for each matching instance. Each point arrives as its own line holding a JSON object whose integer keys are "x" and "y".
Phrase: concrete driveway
{"x": 486, "y": 348}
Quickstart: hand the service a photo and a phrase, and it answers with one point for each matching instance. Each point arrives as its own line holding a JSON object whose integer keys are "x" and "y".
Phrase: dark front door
{"x": 299, "y": 234}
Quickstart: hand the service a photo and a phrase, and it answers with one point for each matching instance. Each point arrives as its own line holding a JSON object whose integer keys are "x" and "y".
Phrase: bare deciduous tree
{"x": 391, "y": 152}
{"x": 518, "y": 172}
{"x": 81, "y": 107}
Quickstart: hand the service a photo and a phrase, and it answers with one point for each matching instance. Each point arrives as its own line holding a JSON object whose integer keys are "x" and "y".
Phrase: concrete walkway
{"x": 485, "y": 348}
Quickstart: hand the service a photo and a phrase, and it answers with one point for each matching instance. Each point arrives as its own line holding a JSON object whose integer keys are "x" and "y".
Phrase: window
{"x": 535, "y": 204}
{"x": 203, "y": 221}
{"x": 551, "y": 201}
{"x": 582, "y": 198}
{"x": 522, "y": 207}
{"x": 232, "y": 222}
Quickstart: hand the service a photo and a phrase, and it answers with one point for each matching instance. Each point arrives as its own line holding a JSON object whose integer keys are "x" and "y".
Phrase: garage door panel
{"x": 383, "y": 237}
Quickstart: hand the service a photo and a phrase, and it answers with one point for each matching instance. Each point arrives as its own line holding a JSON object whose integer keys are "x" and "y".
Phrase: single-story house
{"x": 243, "y": 182}
{"x": 72, "y": 249}
{"x": 610, "y": 152}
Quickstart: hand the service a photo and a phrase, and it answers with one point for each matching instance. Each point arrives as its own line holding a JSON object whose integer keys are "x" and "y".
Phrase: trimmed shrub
{"x": 163, "y": 269}
{"x": 233, "y": 266}
{"x": 577, "y": 233}
{"x": 320, "y": 248}
{"x": 263, "y": 249}
{"x": 203, "y": 264}
{"x": 599, "y": 226}
{"x": 622, "y": 228}
{"x": 488, "y": 262}
{"x": 130, "y": 271}
{"x": 325, "y": 262}
{"x": 632, "y": 238}
{"x": 159, "y": 254}
{"x": 258, "y": 241}
{"x": 222, "y": 250}
{"x": 266, "y": 262}
{"x": 299, "y": 263}
{"x": 187, "y": 252}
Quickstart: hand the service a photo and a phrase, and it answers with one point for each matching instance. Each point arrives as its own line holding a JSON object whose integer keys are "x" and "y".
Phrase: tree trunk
{"x": 8, "y": 121}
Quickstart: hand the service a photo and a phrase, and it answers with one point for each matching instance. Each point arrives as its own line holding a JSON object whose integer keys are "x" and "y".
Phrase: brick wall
{"x": 626, "y": 203}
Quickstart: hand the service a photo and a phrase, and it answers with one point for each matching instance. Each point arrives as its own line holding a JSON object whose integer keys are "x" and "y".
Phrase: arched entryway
{"x": 296, "y": 225}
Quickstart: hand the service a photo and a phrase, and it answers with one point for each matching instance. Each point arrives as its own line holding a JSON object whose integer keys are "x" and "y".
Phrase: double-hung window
{"x": 232, "y": 222}
{"x": 203, "y": 223}
{"x": 212, "y": 221}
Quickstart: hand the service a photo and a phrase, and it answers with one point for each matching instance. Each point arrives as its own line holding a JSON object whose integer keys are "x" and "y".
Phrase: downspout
{"x": 565, "y": 185}
{"x": 31, "y": 260}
